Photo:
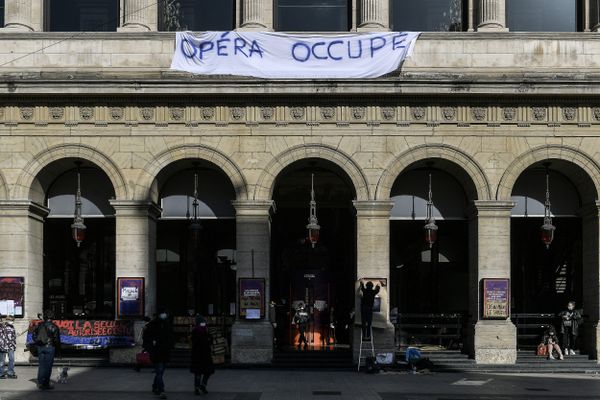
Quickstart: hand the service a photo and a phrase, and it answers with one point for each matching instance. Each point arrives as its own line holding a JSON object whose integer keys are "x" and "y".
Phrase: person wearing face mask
{"x": 8, "y": 345}
{"x": 158, "y": 341}
{"x": 570, "y": 321}
{"x": 201, "y": 361}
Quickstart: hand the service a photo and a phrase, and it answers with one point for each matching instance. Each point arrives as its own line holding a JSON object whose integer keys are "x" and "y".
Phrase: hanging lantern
{"x": 195, "y": 225}
{"x": 547, "y": 229}
{"x": 78, "y": 228}
{"x": 313, "y": 224}
{"x": 430, "y": 228}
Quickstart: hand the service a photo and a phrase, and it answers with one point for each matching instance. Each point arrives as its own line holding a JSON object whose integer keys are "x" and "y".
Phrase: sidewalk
{"x": 121, "y": 383}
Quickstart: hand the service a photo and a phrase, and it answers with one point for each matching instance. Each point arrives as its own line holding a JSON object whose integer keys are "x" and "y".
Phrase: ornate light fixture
{"x": 78, "y": 228}
{"x": 195, "y": 225}
{"x": 430, "y": 227}
{"x": 547, "y": 229}
{"x": 313, "y": 224}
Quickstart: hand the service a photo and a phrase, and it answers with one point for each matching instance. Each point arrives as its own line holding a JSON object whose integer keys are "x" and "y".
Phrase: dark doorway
{"x": 321, "y": 277}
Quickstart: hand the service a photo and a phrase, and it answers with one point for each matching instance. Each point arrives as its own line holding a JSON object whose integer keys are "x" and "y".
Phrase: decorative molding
{"x": 479, "y": 113}
{"x": 56, "y": 113}
{"x": 358, "y": 112}
{"x": 327, "y": 113}
{"x": 449, "y": 113}
{"x": 208, "y": 113}
{"x": 509, "y": 113}
{"x": 539, "y": 113}
{"x": 26, "y": 113}
{"x": 297, "y": 112}
{"x": 238, "y": 113}
{"x": 267, "y": 113}
{"x": 388, "y": 113}
{"x": 418, "y": 113}
{"x": 569, "y": 113}
{"x": 86, "y": 113}
{"x": 177, "y": 113}
{"x": 116, "y": 113}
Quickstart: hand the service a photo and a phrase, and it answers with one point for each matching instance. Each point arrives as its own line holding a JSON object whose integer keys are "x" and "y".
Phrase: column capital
{"x": 491, "y": 208}
{"x": 135, "y": 208}
{"x": 19, "y": 208}
{"x": 373, "y": 208}
{"x": 253, "y": 208}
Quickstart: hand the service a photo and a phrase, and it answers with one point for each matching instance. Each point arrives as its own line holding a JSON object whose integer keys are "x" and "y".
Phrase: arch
{"x": 467, "y": 164}
{"x": 152, "y": 169}
{"x": 550, "y": 152}
{"x": 44, "y": 158}
{"x": 266, "y": 182}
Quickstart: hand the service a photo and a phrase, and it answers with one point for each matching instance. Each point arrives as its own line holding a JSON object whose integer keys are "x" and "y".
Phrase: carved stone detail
{"x": 449, "y": 113}
{"x": 327, "y": 112}
{"x": 177, "y": 113}
{"x": 56, "y": 112}
{"x": 267, "y": 113}
{"x": 86, "y": 113}
{"x": 116, "y": 113}
{"x": 388, "y": 113}
{"x": 479, "y": 113}
{"x": 147, "y": 113}
{"x": 418, "y": 113}
{"x": 208, "y": 113}
{"x": 569, "y": 113}
{"x": 596, "y": 112}
{"x": 26, "y": 113}
{"x": 238, "y": 113}
{"x": 297, "y": 112}
{"x": 359, "y": 112}
{"x": 539, "y": 113}
{"x": 509, "y": 113}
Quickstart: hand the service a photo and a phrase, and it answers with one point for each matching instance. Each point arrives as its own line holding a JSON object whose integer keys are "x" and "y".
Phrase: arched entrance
{"x": 322, "y": 277}
{"x": 78, "y": 279}
{"x": 546, "y": 278}
{"x": 429, "y": 288}
{"x": 195, "y": 251}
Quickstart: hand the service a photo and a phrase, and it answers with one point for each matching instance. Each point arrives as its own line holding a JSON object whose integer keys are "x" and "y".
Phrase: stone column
{"x": 257, "y": 15}
{"x": 591, "y": 279}
{"x": 139, "y": 15}
{"x": 21, "y": 255}
{"x": 492, "y": 16}
{"x": 23, "y": 15}
{"x": 491, "y": 341}
{"x": 252, "y": 341}
{"x": 374, "y": 15}
{"x": 373, "y": 261}
{"x": 136, "y": 256}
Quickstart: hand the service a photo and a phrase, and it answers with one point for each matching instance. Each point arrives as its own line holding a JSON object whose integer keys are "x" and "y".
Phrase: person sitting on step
{"x": 551, "y": 341}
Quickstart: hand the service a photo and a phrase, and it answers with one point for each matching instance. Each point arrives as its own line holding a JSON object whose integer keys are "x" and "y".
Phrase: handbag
{"x": 542, "y": 350}
{"x": 143, "y": 359}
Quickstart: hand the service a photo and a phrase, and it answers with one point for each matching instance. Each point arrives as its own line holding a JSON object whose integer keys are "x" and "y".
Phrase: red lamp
{"x": 430, "y": 228}
{"x": 547, "y": 229}
{"x": 78, "y": 228}
{"x": 313, "y": 224}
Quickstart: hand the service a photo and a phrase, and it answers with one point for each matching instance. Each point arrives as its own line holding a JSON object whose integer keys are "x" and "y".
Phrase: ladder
{"x": 368, "y": 341}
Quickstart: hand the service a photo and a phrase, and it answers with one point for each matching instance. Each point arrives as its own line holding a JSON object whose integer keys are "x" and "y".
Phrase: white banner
{"x": 278, "y": 55}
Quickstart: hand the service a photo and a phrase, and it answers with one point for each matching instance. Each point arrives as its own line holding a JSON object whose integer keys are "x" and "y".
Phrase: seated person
{"x": 551, "y": 341}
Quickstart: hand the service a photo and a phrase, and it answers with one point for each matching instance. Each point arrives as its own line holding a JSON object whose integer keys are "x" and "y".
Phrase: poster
{"x": 380, "y": 303}
{"x": 12, "y": 296}
{"x": 496, "y": 298}
{"x": 252, "y": 297}
{"x": 130, "y": 296}
{"x": 90, "y": 334}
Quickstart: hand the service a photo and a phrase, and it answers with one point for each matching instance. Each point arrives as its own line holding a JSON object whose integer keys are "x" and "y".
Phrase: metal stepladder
{"x": 368, "y": 341}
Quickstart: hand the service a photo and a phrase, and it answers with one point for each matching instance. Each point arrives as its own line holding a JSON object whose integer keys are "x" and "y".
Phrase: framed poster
{"x": 130, "y": 297}
{"x": 496, "y": 298}
{"x": 12, "y": 296}
{"x": 252, "y": 298}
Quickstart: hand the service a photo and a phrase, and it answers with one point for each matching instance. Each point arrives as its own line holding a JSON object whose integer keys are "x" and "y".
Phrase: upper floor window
{"x": 82, "y": 15}
{"x": 197, "y": 15}
{"x": 428, "y": 15}
{"x": 1, "y": 13}
{"x": 543, "y": 15}
{"x": 312, "y": 15}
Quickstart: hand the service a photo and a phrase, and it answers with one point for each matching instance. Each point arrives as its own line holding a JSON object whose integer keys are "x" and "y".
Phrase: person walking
{"x": 158, "y": 341}
{"x": 202, "y": 364}
{"x": 366, "y": 307}
{"x": 301, "y": 320}
{"x": 570, "y": 321}
{"x": 46, "y": 337}
{"x": 8, "y": 345}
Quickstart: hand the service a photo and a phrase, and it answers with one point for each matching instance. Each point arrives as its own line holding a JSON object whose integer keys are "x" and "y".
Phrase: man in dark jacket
{"x": 202, "y": 364}
{"x": 366, "y": 307}
{"x": 158, "y": 341}
{"x": 570, "y": 320}
{"x": 46, "y": 337}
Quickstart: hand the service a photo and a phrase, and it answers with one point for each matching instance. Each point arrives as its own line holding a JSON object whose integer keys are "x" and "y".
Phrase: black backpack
{"x": 40, "y": 335}
{"x": 371, "y": 366}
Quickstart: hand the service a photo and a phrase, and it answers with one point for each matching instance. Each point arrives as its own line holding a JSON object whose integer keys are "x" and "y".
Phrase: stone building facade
{"x": 486, "y": 104}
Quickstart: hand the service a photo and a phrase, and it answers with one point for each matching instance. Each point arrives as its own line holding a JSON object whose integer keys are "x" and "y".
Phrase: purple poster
{"x": 252, "y": 298}
{"x": 496, "y": 298}
{"x": 130, "y": 296}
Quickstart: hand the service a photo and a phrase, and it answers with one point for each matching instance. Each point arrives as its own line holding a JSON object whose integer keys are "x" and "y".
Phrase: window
{"x": 543, "y": 15}
{"x": 197, "y": 15}
{"x": 428, "y": 15}
{"x": 1, "y": 13}
{"x": 312, "y": 15}
{"x": 82, "y": 15}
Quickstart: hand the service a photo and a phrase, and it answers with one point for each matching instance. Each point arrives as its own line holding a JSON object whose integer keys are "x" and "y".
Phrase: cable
{"x": 80, "y": 33}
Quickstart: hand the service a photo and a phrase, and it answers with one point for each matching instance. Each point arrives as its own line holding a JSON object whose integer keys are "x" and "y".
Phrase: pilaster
{"x": 492, "y": 16}
{"x": 139, "y": 15}
{"x": 374, "y": 15}
{"x": 23, "y": 16}
{"x": 256, "y": 15}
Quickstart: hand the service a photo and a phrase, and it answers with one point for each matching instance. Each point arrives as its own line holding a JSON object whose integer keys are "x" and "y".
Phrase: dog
{"x": 63, "y": 375}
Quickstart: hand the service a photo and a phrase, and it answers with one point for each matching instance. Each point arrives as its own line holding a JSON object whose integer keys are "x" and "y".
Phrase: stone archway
{"x": 143, "y": 190}
{"x": 479, "y": 181}
{"x": 265, "y": 184}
